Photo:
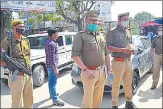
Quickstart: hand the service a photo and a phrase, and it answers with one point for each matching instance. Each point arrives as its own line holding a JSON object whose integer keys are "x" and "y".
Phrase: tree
{"x": 5, "y": 22}
{"x": 74, "y": 11}
{"x": 142, "y": 17}
{"x": 138, "y": 19}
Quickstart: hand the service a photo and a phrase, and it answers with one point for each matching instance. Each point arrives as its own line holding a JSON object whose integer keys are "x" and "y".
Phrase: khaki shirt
{"x": 157, "y": 45}
{"x": 90, "y": 47}
{"x": 118, "y": 38}
{"x": 20, "y": 50}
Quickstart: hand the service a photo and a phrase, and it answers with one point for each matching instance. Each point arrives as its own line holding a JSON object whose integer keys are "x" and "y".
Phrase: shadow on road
{"x": 36, "y": 105}
{"x": 150, "y": 94}
{"x": 74, "y": 97}
{"x": 61, "y": 74}
{"x": 143, "y": 79}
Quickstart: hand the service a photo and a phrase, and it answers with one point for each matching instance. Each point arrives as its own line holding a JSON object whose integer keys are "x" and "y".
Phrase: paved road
{"x": 72, "y": 96}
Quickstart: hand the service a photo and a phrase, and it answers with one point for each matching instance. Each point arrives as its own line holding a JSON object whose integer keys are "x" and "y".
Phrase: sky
{"x": 133, "y": 7}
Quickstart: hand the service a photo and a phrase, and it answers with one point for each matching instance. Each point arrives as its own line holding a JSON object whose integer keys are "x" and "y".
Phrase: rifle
{"x": 13, "y": 65}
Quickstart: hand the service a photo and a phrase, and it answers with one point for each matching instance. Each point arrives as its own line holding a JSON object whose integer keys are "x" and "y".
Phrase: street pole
{"x": 44, "y": 20}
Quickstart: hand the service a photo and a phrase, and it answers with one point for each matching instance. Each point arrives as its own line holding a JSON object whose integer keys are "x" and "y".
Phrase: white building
{"x": 29, "y": 5}
{"x": 104, "y": 7}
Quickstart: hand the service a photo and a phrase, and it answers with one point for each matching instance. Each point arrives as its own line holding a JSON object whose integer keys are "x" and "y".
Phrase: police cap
{"x": 16, "y": 21}
{"x": 123, "y": 14}
{"x": 92, "y": 13}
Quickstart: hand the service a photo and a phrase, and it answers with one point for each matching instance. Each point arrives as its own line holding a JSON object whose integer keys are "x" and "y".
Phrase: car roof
{"x": 46, "y": 34}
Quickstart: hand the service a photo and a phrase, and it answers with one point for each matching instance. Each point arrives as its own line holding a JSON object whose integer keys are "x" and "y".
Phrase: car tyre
{"x": 38, "y": 75}
{"x": 135, "y": 81}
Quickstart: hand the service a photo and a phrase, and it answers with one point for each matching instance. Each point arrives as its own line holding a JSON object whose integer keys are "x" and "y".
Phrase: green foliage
{"x": 56, "y": 18}
{"x": 31, "y": 20}
{"x": 39, "y": 18}
{"x": 74, "y": 11}
{"x": 21, "y": 13}
{"x": 134, "y": 28}
{"x": 6, "y": 17}
{"x": 5, "y": 22}
{"x": 48, "y": 17}
{"x": 143, "y": 17}
{"x": 139, "y": 18}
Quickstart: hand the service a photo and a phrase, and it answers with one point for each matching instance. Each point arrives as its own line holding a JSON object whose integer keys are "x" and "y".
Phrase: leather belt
{"x": 21, "y": 73}
{"x": 121, "y": 59}
{"x": 94, "y": 67}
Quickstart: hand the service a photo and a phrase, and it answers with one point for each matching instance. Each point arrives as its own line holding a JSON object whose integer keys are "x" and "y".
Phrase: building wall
{"x": 104, "y": 7}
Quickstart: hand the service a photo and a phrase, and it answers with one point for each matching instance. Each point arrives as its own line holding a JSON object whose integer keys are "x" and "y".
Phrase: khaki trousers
{"x": 93, "y": 89}
{"x": 21, "y": 91}
{"x": 156, "y": 69}
{"x": 121, "y": 71}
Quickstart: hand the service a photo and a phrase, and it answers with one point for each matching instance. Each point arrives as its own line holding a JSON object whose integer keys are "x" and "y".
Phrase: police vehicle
{"x": 38, "y": 67}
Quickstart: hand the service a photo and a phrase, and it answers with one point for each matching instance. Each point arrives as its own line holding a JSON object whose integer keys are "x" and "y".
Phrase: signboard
{"x": 29, "y": 5}
{"x": 104, "y": 7}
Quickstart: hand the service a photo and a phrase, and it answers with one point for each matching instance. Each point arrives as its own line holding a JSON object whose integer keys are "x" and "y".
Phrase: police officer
{"x": 119, "y": 43}
{"x": 22, "y": 87}
{"x": 89, "y": 52}
{"x": 157, "y": 48}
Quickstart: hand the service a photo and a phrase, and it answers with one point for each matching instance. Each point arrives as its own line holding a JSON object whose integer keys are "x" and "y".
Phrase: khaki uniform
{"x": 22, "y": 87}
{"x": 122, "y": 70}
{"x": 157, "y": 45}
{"x": 92, "y": 50}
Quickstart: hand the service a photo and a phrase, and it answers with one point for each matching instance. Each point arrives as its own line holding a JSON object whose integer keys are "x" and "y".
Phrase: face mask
{"x": 20, "y": 30}
{"x": 92, "y": 27}
{"x": 125, "y": 23}
{"x": 160, "y": 33}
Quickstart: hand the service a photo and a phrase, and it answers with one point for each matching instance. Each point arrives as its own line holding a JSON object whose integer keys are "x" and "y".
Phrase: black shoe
{"x": 114, "y": 107}
{"x": 58, "y": 103}
{"x": 130, "y": 105}
{"x": 56, "y": 94}
{"x": 153, "y": 87}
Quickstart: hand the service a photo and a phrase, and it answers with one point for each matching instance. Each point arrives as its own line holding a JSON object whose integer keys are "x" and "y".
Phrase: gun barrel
{"x": 14, "y": 65}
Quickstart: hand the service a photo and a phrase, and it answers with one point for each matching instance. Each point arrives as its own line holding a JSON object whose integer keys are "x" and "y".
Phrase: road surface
{"x": 72, "y": 96}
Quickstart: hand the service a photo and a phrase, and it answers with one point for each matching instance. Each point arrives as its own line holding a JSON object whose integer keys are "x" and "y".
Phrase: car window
{"x": 37, "y": 42}
{"x": 60, "y": 41}
{"x": 68, "y": 39}
{"x": 146, "y": 43}
{"x": 138, "y": 43}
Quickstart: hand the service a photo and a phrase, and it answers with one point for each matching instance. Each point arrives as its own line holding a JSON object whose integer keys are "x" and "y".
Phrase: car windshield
{"x": 37, "y": 42}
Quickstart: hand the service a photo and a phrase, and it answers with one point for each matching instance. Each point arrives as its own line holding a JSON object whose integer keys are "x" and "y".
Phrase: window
{"x": 37, "y": 42}
{"x": 68, "y": 40}
{"x": 60, "y": 41}
{"x": 146, "y": 43}
{"x": 138, "y": 43}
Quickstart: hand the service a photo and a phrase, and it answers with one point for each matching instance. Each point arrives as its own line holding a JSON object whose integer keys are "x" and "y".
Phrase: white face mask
{"x": 160, "y": 33}
{"x": 125, "y": 23}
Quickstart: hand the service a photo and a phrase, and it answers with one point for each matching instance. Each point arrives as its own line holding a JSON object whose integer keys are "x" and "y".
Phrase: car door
{"x": 148, "y": 62}
{"x": 68, "y": 48}
{"x": 61, "y": 50}
{"x": 140, "y": 55}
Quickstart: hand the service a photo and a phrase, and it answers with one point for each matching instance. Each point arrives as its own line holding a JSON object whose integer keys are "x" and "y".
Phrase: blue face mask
{"x": 92, "y": 27}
